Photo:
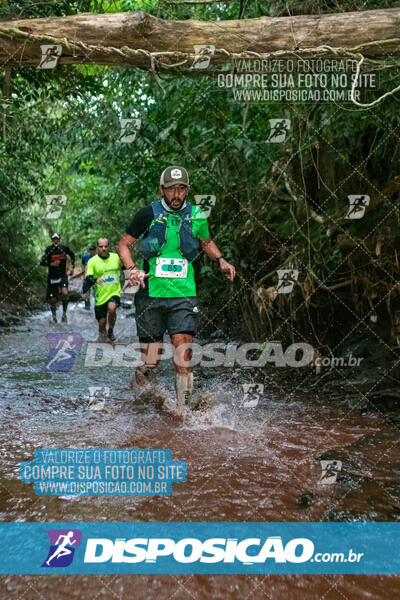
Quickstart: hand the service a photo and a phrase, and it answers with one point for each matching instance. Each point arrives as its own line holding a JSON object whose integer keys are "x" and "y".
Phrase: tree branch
{"x": 140, "y": 39}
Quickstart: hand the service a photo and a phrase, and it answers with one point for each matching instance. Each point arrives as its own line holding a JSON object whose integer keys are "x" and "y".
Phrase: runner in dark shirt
{"x": 55, "y": 258}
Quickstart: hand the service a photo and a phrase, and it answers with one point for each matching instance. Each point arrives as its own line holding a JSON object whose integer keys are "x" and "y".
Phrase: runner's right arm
{"x": 45, "y": 262}
{"x": 89, "y": 282}
{"x": 140, "y": 224}
{"x": 135, "y": 275}
{"x": 90, "y": 279}
{"x": 124, "y": 246}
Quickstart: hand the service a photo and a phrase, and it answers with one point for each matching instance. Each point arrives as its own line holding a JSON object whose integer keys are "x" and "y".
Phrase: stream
{"x": 244, "y": 463}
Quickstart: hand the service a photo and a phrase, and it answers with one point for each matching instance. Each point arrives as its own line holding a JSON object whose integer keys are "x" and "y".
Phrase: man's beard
{"x": 169, "y": 203}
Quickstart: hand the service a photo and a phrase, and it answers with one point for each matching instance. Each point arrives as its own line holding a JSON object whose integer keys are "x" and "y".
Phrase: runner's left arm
{"x": 213, "y": 252}
{"x": 71, "y": 255}
{"x": 211, "y": 248}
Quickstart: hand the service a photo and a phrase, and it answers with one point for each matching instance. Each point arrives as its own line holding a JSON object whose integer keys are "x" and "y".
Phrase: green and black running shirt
{"x": 168, "y": 287}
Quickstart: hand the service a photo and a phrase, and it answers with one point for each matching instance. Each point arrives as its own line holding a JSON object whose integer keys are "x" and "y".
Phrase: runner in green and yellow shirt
{"x": 174, "y": 234}
{"x": 103, "y": 271}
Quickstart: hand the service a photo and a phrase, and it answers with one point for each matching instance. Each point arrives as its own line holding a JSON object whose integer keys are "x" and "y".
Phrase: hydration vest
{"x": 153, "y": 242}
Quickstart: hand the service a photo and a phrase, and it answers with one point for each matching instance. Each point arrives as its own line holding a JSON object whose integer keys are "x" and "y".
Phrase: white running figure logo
{"x": 62, "y": 550}
{"x": 62, "y": 353}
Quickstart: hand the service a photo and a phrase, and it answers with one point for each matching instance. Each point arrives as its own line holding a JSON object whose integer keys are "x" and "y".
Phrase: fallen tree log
{"x": 142, "y": 40}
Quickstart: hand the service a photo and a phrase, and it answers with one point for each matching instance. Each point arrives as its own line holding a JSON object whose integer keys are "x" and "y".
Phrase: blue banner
{"x": 208, "y": 548}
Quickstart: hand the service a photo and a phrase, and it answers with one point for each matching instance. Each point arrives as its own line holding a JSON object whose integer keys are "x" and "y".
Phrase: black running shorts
{"x": 100, "y": 311}
{"x": 54, "y": 286}
{"x": 155, "y": 316}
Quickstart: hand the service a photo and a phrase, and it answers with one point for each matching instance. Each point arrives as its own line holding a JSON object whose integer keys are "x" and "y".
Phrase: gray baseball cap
{"x": 173, "y": 175}
{"x": 55, "y": 235}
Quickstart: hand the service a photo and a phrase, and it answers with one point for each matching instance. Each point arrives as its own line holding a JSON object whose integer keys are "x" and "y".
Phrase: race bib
{"x": 110, "y": 279}
{"x": 171, "y": 267}
{"x": 55, "y": 280}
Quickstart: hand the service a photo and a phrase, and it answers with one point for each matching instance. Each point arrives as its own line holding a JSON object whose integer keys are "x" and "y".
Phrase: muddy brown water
{"x": 243, "y": 464}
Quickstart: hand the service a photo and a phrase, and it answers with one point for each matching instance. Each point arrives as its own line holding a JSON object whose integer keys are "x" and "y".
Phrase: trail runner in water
{"x": 55, "y": 258}
{"x": 174, "y": 235}
{"x": 103, "y": 271}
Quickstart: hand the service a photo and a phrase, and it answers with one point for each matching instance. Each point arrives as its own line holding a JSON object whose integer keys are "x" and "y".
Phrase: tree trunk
{"x": 115, "y": 39}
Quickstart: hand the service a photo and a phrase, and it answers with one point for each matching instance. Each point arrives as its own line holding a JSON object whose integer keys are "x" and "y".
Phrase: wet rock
{"x": 126, "y": 304}
{"x": 74, "y": 296}
{"x": 343, "y": 516}
{"x": 353, "y": 465}
{"x": 389, "y": 397}
{"x": 202, "y": 402}
{"x": 8, "y": 320}
{"x": 367, "y": 484}
{"x": 306, "y": 499}
{"x": 217, "y": 335}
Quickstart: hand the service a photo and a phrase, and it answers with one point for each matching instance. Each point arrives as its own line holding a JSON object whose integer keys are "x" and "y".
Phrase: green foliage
{"x": 278, "y": 205}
